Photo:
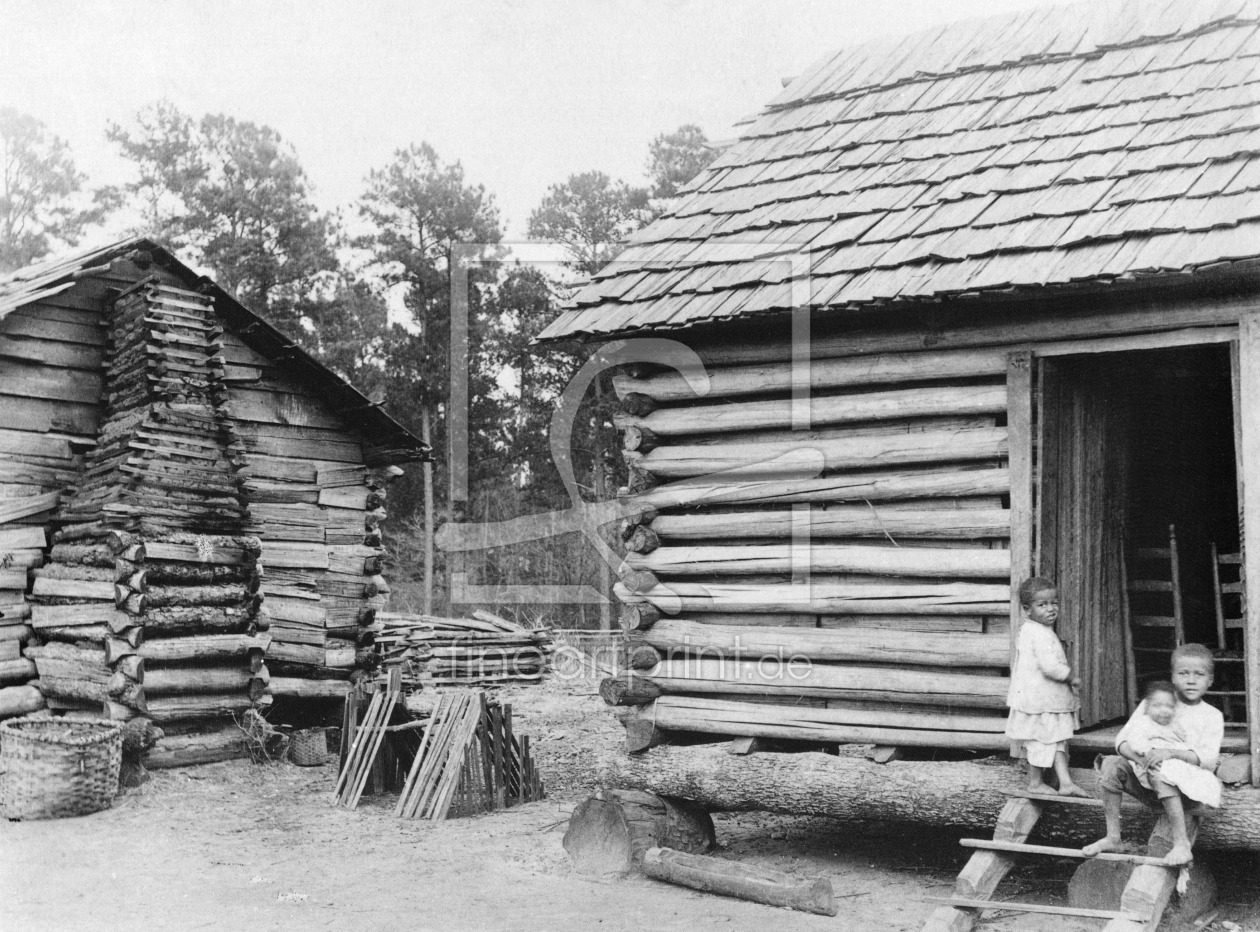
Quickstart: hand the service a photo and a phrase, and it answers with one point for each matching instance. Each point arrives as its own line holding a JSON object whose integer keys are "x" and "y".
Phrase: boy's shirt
{"x": 1203, "y": 726}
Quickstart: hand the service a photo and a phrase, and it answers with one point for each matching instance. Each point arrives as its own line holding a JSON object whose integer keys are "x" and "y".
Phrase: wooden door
{"x": 1082, "y": 462}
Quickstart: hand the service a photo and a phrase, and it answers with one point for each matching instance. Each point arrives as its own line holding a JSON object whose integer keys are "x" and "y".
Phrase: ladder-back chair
{"x": 1154, "y": 584}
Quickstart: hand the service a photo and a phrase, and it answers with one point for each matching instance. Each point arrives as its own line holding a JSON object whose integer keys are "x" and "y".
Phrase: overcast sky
{"x": 523, "y": 93}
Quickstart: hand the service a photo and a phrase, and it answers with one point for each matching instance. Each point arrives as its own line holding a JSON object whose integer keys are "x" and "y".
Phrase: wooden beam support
{"x": 1249, "y": 401}
{"x": 1019, "y": 391}
{"x": 985, "y": 869}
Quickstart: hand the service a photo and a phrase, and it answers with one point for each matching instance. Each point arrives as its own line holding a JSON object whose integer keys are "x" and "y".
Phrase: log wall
{"x": 849, "y": 548}
{"x": 305, "y": 506}
{"x": 317, "y": 509}
{"x": 51, "y": 389}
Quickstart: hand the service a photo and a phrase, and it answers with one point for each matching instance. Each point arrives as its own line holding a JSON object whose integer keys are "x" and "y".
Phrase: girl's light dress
{"x": 1044, "y": 709}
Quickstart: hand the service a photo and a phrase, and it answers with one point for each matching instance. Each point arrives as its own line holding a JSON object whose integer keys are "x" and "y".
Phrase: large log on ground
{"x": 19, "y": 700}
{"x": 753, "y": 559}
{"x": 609, "y": 832}
{"x": 772, "y": 676}
{"x": 803, "y": 485}
{"x": 758, "y": 378}
{"x": 840, "y": 521}
{"x": 858, "y": 452}
{"x": 832, "y": 644}
{"x": 202, "y": 747}
{"x": 827, "y": 598}
{"x": 887, "y": 727}
{"x": 730, "y": 878}
{"x": 964, "y": 794}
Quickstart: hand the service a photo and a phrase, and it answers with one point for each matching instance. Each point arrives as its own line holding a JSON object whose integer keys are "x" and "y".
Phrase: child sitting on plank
{"x": 1202, "y": 727}
{"x": 1042, "y": 695}
{"x": 1155, "y": 729}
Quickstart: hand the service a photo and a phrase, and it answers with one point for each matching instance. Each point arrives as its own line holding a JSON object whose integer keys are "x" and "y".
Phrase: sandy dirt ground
{"x": 260, "y": 847}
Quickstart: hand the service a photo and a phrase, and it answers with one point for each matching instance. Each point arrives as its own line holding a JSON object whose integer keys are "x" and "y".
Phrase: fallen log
{"x": 202, "y": 747}
{"x": 959, "y": 794}
{"x": 609, "y": 832}
{"x": 729, "y": 878}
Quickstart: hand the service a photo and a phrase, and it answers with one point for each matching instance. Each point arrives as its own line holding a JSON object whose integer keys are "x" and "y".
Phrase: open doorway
{"x": 1133, "y": 444}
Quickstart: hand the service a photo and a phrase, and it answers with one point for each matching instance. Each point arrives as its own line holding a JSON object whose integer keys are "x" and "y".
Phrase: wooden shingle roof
{"x": 1085, "y": 143}
{"x": 389, "y": 440}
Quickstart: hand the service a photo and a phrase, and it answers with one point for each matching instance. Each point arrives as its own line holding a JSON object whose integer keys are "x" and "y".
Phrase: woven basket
{"x": 309, "y": 747}
{"x": 55, "y": 767}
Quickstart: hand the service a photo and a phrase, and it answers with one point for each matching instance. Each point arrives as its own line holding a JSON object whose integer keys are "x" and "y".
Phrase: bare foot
{"x": 1071, "y": 789}
{"x": 1041, "y": 788}
{"x": 1180, "y": 854}
{"x": 1109, "y": 843}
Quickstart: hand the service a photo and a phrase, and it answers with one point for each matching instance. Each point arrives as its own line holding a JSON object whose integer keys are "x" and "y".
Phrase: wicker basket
{"x": 309, "y": 747}
{"x": 56, "y": 767}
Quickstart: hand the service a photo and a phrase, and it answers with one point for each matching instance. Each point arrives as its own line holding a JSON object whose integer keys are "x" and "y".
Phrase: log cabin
{"x": 956, "y": 308}
{"x": 190, "y": 503}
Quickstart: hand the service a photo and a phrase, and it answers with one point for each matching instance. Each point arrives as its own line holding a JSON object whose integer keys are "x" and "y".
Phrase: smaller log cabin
{"x": 963, "y": 306}
{"x": 190, "y": 503}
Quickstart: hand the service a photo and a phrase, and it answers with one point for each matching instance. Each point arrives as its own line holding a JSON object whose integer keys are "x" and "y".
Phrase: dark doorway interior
{"x": 1131, "y": 444}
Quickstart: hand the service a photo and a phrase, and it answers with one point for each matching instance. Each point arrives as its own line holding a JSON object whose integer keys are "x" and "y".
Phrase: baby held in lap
{"x": 1155, "y": 729}
{"x": 1165, "y": 759}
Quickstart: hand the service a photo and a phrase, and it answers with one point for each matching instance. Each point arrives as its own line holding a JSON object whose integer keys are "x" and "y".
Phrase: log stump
{"x": 609, "y": 832}
{"x": 1100, "y": 884}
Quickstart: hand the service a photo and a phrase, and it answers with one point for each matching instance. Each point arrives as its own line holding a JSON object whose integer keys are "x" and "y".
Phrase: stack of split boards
{"x": 484, "y": 650}
{"x": 458, "y": 757}
{"x": 148, "y": 607}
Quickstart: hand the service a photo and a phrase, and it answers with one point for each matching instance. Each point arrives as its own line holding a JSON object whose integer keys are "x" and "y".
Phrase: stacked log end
{"x": 484, "y": 650}
{"x": 835, "y": 568}
{"x": 149, "y": 604}
{"x": 21, "y": 549}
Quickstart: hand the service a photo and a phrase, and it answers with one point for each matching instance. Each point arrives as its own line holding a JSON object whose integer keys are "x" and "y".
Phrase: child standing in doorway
{"x": 1042, "y": 697}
